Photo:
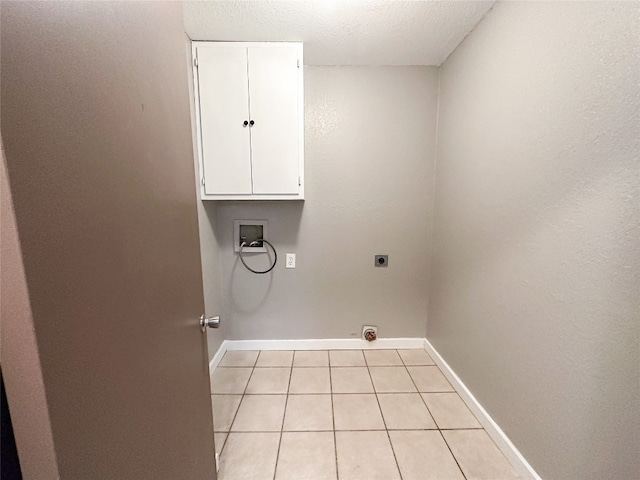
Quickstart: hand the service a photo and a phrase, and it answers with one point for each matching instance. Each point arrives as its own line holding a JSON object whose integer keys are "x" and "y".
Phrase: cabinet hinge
{"x": 203, "y": 180}
{"x": 195, "y": 62}
{"x": 299, "y": 181}
{"x": 298, "y": 63}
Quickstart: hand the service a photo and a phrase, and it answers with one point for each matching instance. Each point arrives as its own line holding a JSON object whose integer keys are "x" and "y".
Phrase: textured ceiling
{"x": 343, "y": 32}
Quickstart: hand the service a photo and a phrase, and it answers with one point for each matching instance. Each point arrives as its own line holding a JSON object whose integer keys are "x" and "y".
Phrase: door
{"x": 275, "y": 136}
{"x": 224, "y": 117}
{"x": 97, "y": 136}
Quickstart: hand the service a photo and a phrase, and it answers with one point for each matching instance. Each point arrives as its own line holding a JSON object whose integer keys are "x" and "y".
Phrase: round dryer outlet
{"x": 369, "y": 333}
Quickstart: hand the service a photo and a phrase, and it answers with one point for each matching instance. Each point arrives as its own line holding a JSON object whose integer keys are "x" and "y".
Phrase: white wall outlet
{"x": 290, "y": 260}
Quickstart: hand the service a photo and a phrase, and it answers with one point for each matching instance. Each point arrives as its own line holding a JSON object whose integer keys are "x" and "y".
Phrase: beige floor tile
{"x": 310, "y": 380}
{"x": 230, "y": 380}
{"x": 449, "y": 411}
{"x": 220, "y": 438}
{"x": 346, "y": 358}
{"x": 357, "y": 412}
{"x": 316, "y": 358}
{"x": 306, "y": 456}
{"x": 224, "y": 409}
{"x": 380, "y": 358}
{"x": 249, "y": 456}
{"x": 275, "y": 358}
{"x": 308, "y": 413}
{"x": 429, "y": 379}
{"x": 478, "y": 456}
{"x": 269, "y": 380}
{"x": 424, "y": 455}
{"x": 260, "y": 413}
{"x": 415, "y": 357}
{"x": 391, "y": 379}
{"x": 351, "y": 380}
{"x": 405, "y": 411}
{"x": 365, "y": 456}
{"x": 239, "y": 358}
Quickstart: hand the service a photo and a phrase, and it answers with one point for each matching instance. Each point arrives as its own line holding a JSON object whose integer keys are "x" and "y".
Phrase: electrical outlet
{"x": 290, "y": 260}
{"x": 381, "y": 260}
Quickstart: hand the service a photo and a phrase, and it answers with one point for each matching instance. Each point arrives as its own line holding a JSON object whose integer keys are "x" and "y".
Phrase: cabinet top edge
{"x": 250, "y": 198}
{"x": 213, "y": 43}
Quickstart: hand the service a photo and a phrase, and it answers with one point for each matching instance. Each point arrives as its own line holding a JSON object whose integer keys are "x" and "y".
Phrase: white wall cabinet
{"x": 250, "y": 120}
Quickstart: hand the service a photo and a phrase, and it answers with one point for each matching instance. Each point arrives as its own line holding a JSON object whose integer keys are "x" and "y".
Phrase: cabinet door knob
{"x": 245, "y": 123}
{"x": 251, "y": 123}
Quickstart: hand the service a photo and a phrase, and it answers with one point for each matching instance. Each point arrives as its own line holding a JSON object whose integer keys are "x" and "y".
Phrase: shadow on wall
{"x": 260, "y": 292}
{"x": 212, "y": 216}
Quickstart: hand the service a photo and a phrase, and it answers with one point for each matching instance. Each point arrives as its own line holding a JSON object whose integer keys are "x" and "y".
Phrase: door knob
{"x": 245, "y": 123}
{"x": 211, "y": 322}
{"x": 251, "y": 123}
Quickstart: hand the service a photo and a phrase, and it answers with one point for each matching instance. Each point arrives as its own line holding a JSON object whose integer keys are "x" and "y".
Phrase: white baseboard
{"x": 213, "y": 363}
{"x": 313, "y": 344}
{"x": 501, "y": 440}
{"x": 325, "y": 344}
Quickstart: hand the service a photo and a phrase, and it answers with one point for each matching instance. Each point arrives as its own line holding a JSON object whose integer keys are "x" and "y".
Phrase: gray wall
{"x": 211, "y": 272}
{"x": 535, "y": 277}
{"x": 209, "y": 245}
{"x": 370, "y": 141}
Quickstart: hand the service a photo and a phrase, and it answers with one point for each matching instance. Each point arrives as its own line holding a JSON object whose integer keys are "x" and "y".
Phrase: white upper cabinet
{"x": 250, "y": 120}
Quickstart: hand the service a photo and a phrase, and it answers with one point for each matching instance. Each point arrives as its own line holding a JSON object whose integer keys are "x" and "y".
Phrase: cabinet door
{"x": 275, "y": 136}
{"x": 224, "y": 106}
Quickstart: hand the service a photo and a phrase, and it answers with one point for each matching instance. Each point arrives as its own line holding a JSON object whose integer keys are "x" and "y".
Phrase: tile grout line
{"x": 338, "y": 393}
{"x": 235, "y": 415}
{"x": 333, "y": 418}
{"x": 454, "y": 457}
{"x": 360, "y": 429}
{"x": 241, "y": 398}
{"x": 406, "y": 367}
{"x": 395, "y": 458}
{"x": 266, "y": 367}
{"x": 432, "y": 417}
{"x": 284, "y": 414}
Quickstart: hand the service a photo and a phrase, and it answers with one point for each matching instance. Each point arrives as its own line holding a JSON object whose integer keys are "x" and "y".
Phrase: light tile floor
{"x": 347, "y": 415}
